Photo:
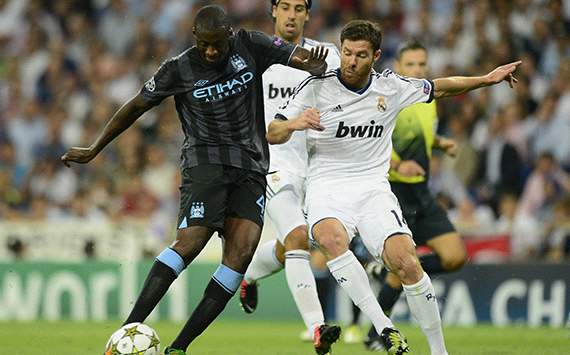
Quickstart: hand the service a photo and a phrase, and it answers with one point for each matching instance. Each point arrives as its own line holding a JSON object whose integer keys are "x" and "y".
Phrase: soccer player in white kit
{"x": 286, "y": 188}
{"x": 349, "y": 115}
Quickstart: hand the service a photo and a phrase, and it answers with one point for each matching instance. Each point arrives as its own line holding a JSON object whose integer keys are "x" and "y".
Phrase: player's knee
{"x": 454, "y": 261}
{"x": 331, "y": 236}
{"x": 407, "y": 267}
{"x": 190, "y": 242}
{"x": 332, "y": 244}
{"x": 297, "y": 239}
{"x": 239, "y": 258}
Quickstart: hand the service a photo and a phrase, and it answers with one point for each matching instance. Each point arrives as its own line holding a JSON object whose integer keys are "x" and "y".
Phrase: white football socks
{"x": 423, "y": 305}
{"x": 303, "y": 287}
{"x": 264, "y": 263}
{"x": 351, "y": 276}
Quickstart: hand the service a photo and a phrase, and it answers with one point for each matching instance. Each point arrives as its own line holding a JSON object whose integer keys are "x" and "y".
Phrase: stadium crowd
{"x": 65, "y": 66}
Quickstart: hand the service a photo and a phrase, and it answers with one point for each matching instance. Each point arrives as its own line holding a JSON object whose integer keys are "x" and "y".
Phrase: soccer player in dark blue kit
{"x": 217, "y": 88}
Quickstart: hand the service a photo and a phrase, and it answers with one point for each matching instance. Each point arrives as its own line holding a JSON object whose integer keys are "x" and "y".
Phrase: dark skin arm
{"x": 121, "y": 120}
{"x": 312, "y": 61}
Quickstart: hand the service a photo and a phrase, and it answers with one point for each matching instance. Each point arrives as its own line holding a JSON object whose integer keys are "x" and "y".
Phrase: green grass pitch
{"x": 269, "y": 338}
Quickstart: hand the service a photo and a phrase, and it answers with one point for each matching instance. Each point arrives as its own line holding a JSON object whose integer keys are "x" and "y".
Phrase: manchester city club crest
{"x": 382, "y": 104}
{"x": 197, "y": 210}
{"x": 237, "y": 62}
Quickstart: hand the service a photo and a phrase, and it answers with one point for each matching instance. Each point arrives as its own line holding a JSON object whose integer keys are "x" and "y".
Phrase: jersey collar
{"x": 357, "y": 91}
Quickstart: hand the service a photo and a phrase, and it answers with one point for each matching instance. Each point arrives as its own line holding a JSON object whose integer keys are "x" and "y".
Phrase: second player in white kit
{"x": 286, "y": 189}
{"x": 349, "y": 115}
{"x": 288, "y": 163}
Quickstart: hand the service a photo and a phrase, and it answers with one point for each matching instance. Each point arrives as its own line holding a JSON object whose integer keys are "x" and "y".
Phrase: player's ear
{"x": 308, "y": 15}
{"x": 377, "y": 55}
{"x": 274, "y": 12}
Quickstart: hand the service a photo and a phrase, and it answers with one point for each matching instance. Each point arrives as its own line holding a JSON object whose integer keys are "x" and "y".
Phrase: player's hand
{"x": 410, "y": 168}
{"x": 316, "y": 60}
{"x": 308, "y": 119}
{"x": 504, "y": 72}
{"x": 78, "y": 155}
{"x": 449, "y": 146}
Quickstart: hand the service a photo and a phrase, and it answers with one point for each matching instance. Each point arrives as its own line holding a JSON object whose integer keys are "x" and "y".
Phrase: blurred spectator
{"x": 159, "y": 175}
{"x": 16, "y": 169}
{"x": 471, "y": 219}
{"x": 10, "y": 197}
{"x": 117, "y": 27}
{"x": 52, "y": 180}
{"x": 525, "y": 231}
{"x": 549, "y": 133}
{"x": 546, "y": 184}
{"x": 11, "y": 20}
{"x": 138, "y": 201}
{"x": 35, "y": 60}
{"x": 28, "y": 131}
{"x": 80, "y": 207}
{"x": 464, "y": 165}
{"x": 558, "y": 232}
{"x": 444, "y": 182}
{"x": 499, "y": 165}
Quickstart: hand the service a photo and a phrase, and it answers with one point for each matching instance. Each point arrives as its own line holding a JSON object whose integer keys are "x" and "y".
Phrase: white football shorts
{"x": 285, "y": 198}
{"x": 372, "y": 211}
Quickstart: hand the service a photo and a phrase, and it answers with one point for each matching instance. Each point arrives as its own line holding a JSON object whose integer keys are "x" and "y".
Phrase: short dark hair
{"x": 409, "y": 45}
{"x": 308, "y": 3}
{"x": 211, "y": 17}
{"x": 357, "y": 30}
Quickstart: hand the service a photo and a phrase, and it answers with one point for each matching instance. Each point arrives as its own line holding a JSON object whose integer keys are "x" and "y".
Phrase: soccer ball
{"x": 133, "y": 339}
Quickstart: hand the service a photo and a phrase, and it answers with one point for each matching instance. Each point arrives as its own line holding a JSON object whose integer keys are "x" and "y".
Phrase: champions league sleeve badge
{"x": 278, "y": 42}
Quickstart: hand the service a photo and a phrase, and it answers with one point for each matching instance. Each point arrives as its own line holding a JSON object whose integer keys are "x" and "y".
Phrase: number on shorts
{"x": 398, "y": 218}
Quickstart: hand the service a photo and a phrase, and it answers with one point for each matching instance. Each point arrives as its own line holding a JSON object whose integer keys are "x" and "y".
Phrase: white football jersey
{"x": 356, "y": 142}
{"x": 279, "y": 82}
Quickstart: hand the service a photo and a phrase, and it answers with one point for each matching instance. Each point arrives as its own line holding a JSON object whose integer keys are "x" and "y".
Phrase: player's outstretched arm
{"x": 312, "y": 61}
{"x": 456, "y": 85}
{"x": 121, "y": 120}
{"x": 281, "y": 129}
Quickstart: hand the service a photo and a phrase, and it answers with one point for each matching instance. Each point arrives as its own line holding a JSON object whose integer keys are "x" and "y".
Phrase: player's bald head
{"x": 211, "y": 18}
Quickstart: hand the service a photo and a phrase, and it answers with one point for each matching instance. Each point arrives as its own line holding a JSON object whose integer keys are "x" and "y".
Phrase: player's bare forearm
{"x": 456, "y": 85}
{"x": 120, "y": 121}
{"x": 279, "y": 131}
{"x": 312, "y": 61}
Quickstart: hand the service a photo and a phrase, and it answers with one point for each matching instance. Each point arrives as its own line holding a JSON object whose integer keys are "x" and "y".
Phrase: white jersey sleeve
{"x": 410, "y": 90}
{"x": 279, "y": 82}
{"x": 303, "y": 98}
